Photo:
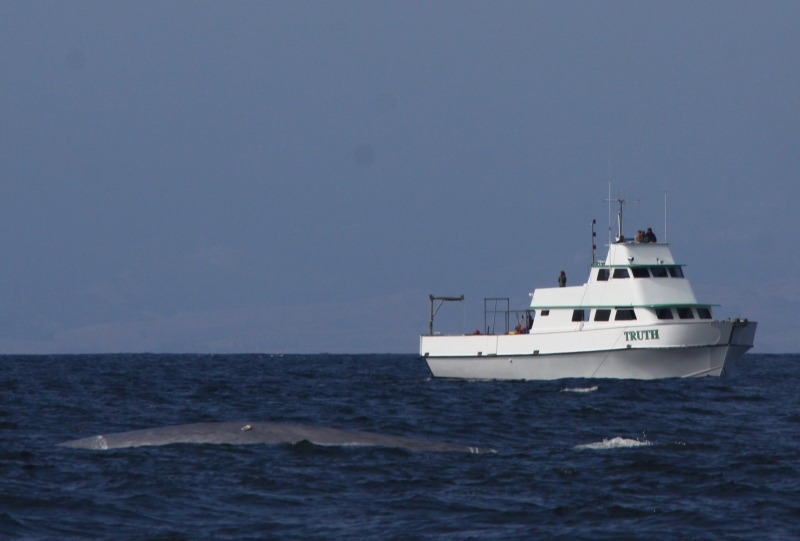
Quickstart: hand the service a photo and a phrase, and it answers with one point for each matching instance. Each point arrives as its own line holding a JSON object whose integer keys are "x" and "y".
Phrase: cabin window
{"x": 621, "y": 273}
{"x": 676, "y": 272}
{"x": 704, "y": 313}
{"x": 664, "y": 313}
{"x": 659, "y": 272}
{"x": 640, "y": 272}
{"x": 602, "y": 315}
{"x": 625, "y": 315}
{"x": 685, "y": 313}
{"x": 602, "y": 275}
{"x": 578, "y": 315}
{"x": 544, "y": 313}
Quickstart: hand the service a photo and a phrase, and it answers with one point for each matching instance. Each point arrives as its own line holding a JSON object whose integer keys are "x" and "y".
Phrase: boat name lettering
{"x": 641, "y": 335}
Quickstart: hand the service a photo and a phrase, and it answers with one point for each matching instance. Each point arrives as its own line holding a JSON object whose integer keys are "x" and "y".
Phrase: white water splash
{"x": 614, "y": 443}
{"x": 579, "y": 389}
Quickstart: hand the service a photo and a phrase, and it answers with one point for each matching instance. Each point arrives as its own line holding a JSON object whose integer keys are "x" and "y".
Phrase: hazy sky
{"x": 299, "y": 176}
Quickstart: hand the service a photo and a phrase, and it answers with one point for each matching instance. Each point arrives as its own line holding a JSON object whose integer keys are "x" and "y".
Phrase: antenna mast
{"x": 619, "y": 213}
{"x": 609, "y": 203}
{"x": 665, "y": 215}
{"x": 609, "y": 188}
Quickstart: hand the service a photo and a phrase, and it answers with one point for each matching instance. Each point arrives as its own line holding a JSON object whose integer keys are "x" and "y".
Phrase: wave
{"x": 579, "y": 389}
{"x": 614, "y": 443}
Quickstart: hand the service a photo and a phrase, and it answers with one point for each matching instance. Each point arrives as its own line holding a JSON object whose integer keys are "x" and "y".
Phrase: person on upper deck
{"x": 620, "y": 240}
{"x": 562, "y": 279}
{"x": 649, "y": 236}
{"x": 639, "y": 237}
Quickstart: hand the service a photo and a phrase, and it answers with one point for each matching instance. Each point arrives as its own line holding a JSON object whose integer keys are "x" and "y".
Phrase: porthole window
{"x": 621, "y": 273}
{"x": 602, "y": 315}
{"x": 625, "y": 315}
{"x": 664, "y": 313}
{"x": 602, "y": 275}
{"x": 640, "y": 272}
{"x": 659, "y": 272}
{"x": 685, "y": 313}
{"x": 578, "y": 315}
{"x": 544, "y": 313}
{"x": 704, "y": 313}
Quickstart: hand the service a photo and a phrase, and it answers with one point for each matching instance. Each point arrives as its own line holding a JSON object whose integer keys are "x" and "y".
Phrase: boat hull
{"x": 622, "y": 364}
{"x": 672, "y": 361}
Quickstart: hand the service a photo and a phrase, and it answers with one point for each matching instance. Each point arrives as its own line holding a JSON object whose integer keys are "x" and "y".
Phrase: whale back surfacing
{"x": 265, "y": 433}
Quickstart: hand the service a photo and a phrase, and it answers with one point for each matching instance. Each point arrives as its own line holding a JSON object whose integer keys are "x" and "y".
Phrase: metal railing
{"x": 501, "y": 305}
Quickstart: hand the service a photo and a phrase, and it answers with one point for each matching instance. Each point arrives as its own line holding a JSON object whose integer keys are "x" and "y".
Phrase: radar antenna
{"x": 619, "y": 214}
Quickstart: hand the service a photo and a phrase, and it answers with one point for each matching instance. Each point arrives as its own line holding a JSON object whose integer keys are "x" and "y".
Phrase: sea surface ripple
{"x": 711, "y": 458}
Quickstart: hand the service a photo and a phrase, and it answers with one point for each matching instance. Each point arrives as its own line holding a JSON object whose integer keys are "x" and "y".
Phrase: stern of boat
{"x": 743, "y": 334}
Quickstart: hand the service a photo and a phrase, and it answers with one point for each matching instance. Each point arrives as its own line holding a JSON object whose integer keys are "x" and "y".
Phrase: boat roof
{"x": 642, "y": 253}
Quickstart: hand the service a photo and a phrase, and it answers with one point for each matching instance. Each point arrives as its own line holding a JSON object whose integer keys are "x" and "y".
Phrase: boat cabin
{"x": 637, "y": 282}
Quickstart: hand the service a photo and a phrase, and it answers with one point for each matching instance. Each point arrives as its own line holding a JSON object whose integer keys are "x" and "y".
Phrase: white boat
{"x": 636, "y": 317}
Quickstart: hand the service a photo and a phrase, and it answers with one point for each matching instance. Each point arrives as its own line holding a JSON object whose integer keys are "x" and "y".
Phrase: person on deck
{"x": 562, "y": 279}
{"x": 639, "y": 237}
{"x": 650, "y": 236}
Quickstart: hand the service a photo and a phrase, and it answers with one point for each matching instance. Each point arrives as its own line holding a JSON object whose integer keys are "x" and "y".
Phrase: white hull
{"x": 626, "y": 363}
{"x": 725, "y": 343}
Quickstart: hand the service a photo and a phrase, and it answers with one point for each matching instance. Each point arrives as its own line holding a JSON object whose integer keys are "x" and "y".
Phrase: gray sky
{"x": 299, "y": 176}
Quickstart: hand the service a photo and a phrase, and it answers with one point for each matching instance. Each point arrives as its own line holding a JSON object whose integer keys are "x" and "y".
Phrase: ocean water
{"x": 711, "y": 458}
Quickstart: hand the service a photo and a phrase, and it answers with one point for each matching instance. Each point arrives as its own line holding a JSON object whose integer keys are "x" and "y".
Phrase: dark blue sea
{"x": 711, "y": 458}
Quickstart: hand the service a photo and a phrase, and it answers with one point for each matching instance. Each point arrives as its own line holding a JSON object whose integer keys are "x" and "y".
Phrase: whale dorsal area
{"x": 247, "y": 433}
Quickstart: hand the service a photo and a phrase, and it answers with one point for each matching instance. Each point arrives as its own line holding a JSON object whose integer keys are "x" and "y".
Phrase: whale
{"x": 248, "y": 433}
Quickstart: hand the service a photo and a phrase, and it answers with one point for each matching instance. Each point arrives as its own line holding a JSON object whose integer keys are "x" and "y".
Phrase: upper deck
{"x": 629, "y": 253}
{"x": 637, "y": 281}
{"x": 633, "y": 275}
